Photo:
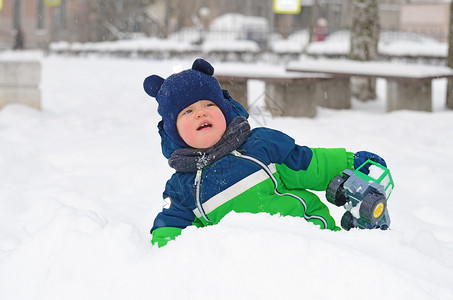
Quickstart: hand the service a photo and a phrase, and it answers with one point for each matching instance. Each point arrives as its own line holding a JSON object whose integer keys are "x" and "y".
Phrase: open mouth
{"x": 204, "y": 125}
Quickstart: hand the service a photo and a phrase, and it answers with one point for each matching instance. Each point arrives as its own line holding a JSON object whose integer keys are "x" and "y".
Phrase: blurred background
{"x": 176, "y": 27}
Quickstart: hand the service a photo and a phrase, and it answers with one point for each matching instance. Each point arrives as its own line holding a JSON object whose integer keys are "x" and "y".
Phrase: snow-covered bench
{"x": 19, "y": 82}
{"x": 408, "y": 86}
{"x": 286, "y": 93}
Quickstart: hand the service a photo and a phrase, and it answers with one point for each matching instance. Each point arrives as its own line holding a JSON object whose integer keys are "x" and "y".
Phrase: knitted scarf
{"x": 190, "y": 160}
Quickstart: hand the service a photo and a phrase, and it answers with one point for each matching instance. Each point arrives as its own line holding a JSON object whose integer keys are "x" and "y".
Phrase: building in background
{"x": 430, "y": 18}
{"x": 46, "y": 21}
{"x": 41, "y": 22}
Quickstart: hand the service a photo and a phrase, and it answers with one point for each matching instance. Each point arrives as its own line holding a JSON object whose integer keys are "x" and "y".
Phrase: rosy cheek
{"x": 182, "y": 128}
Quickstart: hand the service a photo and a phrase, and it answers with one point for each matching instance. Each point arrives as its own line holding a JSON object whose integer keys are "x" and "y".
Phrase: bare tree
{"x": 450, "y": 60}
{"x": 311, "y": 24}
{"x": 365, "y": 31}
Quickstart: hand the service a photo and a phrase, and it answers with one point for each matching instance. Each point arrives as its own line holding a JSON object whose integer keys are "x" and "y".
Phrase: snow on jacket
{"x": 268, "y": 173}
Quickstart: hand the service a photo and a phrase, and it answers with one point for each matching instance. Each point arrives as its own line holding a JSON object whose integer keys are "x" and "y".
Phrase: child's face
{"x": 201, "y": 125}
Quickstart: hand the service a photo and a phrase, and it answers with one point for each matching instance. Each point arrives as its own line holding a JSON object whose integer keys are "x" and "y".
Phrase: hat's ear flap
{"x": 152, "y": 85}
{"x": 203, "y": 66}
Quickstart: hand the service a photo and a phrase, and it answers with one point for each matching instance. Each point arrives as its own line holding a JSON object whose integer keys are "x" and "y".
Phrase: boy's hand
{"x": 362, "y": 156}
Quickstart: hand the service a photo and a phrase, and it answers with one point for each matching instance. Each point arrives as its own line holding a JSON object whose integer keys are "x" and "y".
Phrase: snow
{"x": 372, "y": 68}
{"x": 184, "y": 42}
{"x": 237, "y": 46}
{"x": 261, "y": 70}
{"x": 375, "y": 172}
{"x": 81, "y": 182}
{"x": 239, "y": 33}
{"x": 234, "y": 22}
{"x": 295, "y": 43}
{"x": 139, "y": 44}
{"x": 397, "y": 44}
{"x": 337, "y": 44}
{"x": 30, "y": 55}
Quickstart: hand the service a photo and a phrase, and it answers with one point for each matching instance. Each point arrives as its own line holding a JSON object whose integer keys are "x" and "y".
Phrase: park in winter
{"x": 82, "y": 176}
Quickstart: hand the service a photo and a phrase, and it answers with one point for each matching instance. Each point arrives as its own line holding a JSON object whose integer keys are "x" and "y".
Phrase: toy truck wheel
{"x": 347, "y": 221}
{"x": 335, "y": 193}
{"x": 373, "y": 207}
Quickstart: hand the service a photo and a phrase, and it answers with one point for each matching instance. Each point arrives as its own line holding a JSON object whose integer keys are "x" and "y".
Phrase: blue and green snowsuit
{"x": 268, "y": 173}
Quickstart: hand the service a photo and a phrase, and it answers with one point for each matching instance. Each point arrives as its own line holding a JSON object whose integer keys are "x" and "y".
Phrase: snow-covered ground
{"x": 81, "y": 182}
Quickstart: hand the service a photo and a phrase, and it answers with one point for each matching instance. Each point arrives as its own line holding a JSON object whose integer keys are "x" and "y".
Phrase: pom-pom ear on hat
{"x": 152, "y": 85}
{"x": 203, "y": 66}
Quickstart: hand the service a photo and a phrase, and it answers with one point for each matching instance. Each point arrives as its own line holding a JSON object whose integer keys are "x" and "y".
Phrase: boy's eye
{"x": 210, "y": 104}
{"x": 187, "y": 112}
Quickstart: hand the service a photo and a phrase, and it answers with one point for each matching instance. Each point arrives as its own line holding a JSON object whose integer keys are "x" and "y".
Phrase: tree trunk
{"x": 311, "y": 26}
{"x": 450, "y": 60}
{"x": 365, "y": 31}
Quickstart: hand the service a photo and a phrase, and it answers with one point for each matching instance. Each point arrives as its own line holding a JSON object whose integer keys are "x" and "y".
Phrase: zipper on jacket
{"x": 274, "y": 180}
{"x": 197, "y": 194}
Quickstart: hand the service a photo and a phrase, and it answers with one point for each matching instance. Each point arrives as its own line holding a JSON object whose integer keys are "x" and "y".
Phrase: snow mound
{"x": 81, "y": 182}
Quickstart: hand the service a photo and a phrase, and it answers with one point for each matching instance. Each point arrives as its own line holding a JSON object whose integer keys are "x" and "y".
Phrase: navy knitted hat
{"x": 183, "y": 89}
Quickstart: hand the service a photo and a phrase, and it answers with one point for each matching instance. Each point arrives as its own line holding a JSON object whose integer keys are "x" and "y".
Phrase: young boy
{"x": 222, "y": 166}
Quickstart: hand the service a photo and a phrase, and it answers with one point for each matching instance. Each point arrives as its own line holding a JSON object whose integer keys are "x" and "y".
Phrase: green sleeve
{"x": 324, "y": 165}
{"x": 162, "y": 235}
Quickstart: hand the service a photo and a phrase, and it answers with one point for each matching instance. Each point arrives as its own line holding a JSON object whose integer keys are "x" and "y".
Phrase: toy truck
{"x": 364, "y": 194}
